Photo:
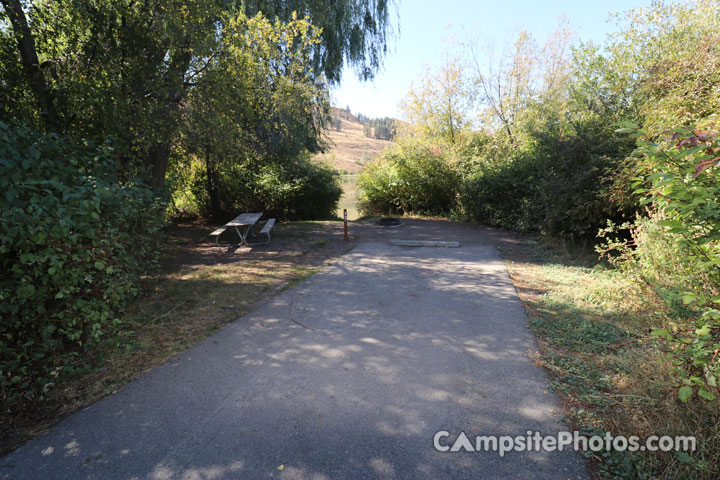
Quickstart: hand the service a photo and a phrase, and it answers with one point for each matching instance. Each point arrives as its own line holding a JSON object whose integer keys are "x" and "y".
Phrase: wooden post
{"x": 345, "y": 217}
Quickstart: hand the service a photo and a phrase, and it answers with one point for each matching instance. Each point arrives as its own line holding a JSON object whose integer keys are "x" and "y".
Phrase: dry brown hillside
{"x": 350, "y": 149}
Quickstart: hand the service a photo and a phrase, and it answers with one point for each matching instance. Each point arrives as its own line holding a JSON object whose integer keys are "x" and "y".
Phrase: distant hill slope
{"x": 350, "y": 149}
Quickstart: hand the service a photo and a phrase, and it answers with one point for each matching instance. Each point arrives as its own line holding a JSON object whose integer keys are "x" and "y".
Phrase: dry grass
{"x": 351, "y": 149}
{"x": 593, "y": 325}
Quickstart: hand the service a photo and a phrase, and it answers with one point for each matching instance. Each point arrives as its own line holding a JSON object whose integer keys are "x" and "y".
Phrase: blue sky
{"x": 424, "y": 24}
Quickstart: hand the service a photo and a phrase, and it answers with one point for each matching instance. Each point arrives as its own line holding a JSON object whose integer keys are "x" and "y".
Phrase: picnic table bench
{"x": 243, "y": 225}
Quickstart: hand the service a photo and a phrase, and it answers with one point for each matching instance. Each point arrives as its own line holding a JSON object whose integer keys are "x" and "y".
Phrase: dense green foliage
{"x": 74, "y": 240}
{"x": 409, "y": 178}
{"x": 125, "y": 68}
{"x": 677, "y": 250}
{"x": 352, "y": 31}
{"x": 557, "y": 186}
{"x": 504, "y": 196}
{"x": 298, "y": 188}
{"x": 252, "y": 122}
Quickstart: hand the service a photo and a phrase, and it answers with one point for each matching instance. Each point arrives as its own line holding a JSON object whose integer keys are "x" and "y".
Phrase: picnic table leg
{"x": 243, "y": 238}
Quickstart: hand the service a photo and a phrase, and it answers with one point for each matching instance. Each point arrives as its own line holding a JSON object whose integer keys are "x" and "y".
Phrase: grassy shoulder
{"x": 198, "y": 289}
{"x": 593, "y": 325}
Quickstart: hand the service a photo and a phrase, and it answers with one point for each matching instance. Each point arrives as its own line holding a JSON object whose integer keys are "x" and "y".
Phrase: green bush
{"x": 677, "y": 251}
{"x": 655, "y": 257}
{"x": 503, "y": 195}
{"x": 376, "y": 188}
{"x": 559, "y": 185}
{"x": 73, "y": 241}
{"x": 297, "y": 188}
{"x": 412, "y": 177}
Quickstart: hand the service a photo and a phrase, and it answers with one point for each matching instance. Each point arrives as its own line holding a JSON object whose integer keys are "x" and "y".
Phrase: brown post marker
{"x": 345, "y": 217}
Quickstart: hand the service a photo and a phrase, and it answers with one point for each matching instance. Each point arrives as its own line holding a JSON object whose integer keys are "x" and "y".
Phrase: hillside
{"x": 350, "y": 148}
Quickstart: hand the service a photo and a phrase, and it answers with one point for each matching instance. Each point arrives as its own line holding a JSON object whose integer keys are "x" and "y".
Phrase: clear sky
{"x": 425, "y": 24}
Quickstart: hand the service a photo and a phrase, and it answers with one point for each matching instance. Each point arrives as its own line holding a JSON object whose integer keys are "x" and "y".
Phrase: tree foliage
{"x": 520, "y": 79}
{"x": 72, "y": 244}
{"x": 666, "y": 57}
{"x": 352, "y": 31}
{"x": 125, "y": 68}
{"x": 259, "y": 104}
{"x": 380, "y": 128}
{"x": 678, "y": 250}
{"x": 440, "y": 107}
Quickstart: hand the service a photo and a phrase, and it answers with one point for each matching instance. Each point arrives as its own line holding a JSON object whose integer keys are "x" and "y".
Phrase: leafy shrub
{"x": 577, "y": 173}
{"x": 297, "y": 188}
{"x": 377, "y": 191}
{"x": 558, "y": 186}
{"x": 503, "y": 195}
{"x": 653, "y": 256}
{"x": 677, "y": 250}
{"x": 412, "y": 177}
{"x": 72, "y": 244}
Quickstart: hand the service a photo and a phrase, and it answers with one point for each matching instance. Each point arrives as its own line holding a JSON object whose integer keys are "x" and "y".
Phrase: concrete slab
{"x": 425, "y": 243}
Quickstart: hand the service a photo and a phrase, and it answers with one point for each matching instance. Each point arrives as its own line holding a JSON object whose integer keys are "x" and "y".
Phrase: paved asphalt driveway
{"x": 348, "y": 375}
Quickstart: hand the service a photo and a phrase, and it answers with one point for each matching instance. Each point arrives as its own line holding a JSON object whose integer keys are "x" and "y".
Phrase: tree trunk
{"x": 213, "y": 196}
{"x": 157, "y": 161}
{"x": 510, "y": 133}
{"x": 159, "y": 153}
{"x": 28, "y": 55}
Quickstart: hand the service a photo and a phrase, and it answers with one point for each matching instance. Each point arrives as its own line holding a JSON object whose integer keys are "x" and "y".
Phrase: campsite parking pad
{"x": 347, "y": 375}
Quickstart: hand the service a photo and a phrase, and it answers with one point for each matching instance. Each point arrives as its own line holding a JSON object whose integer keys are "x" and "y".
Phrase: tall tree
{"x": 440, "y": 107}
{"x": 520, "y": 76}
{"x": 123, "y": 68}
{"x": 258, "y": 102}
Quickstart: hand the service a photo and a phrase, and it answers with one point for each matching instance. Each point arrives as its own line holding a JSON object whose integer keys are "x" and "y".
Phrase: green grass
{"x": 593, "y": 325}
{"x": 301, "y": 274}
